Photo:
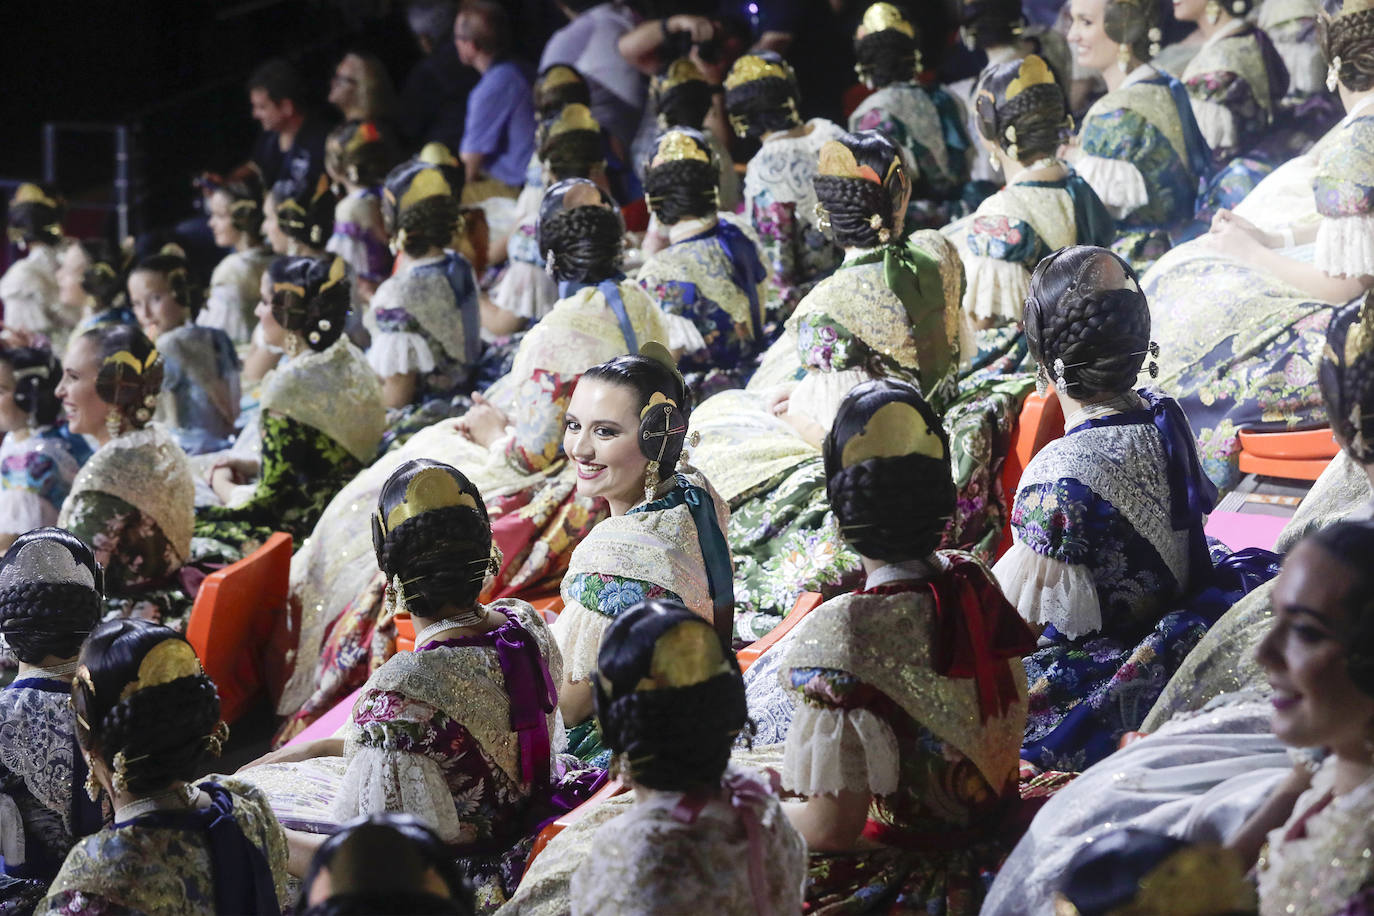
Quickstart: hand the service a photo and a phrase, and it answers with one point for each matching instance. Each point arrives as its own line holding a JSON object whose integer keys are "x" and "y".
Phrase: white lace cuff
{"x": 12, "y": 831}
{"x": 1216, "y": 122}
{"x": 223, "y": 310}
{"x": 1046, "y": 590}
{"x": 833, "y": 750}
{"x": 525, "y": 290}
{"x": 578, "y": 634}
{"x": 818, "y": 396}
{"x": 1119, "y": 184}
{"x": 996, "y": 288}
{"x": 399, "y": 353}
{"x": 24, "y": 510}
{"x": 683, "y": 334}
{"x": 1345, "y": 246}
{"x": 379, "y": 780}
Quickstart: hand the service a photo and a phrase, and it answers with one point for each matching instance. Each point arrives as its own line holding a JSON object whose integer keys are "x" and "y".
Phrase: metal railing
{"x": 123, "y": 188}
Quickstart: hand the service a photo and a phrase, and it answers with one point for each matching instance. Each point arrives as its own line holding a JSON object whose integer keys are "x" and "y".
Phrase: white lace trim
{"x": 834, "y": 750}
{"x": 384, "y": 779}
{"x": 1345, "y": 246}
{"x": 399, "y": 353}
{"x": 353, "y": 251}
{"x": 1119, "y": 184}
{"x": 1216, "y": 122}
{"x": 683, "y": 334}
{"x": 818, "y": 396}
{"x": 996, "y": 288}
{"x": 525, "y": 290}
{"x": 578, "y": 632}
{"x": 223, "y": 310}
{"x": 36, "y": 745}
{"x": 24, "y": 510}
{"x": 1046, "y": 590}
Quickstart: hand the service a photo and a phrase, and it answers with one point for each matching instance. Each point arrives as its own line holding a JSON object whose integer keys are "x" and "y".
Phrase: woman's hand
{"x": 777, "y": 399}
{"x": 293, "y": 753}
{"x": 1226, "y": 220}
{"x": 484, "y": 423}
{"x": 1233, "y": 240}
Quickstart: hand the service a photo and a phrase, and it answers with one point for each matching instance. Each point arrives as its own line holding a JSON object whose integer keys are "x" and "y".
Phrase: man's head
{"x": 481, "y": 31}
{"x": 431, "y": 22}
{"x": 276, "y": 94}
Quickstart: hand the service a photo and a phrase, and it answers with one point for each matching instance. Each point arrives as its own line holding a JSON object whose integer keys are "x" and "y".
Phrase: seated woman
{"x": 200, "y": 391}
{"x": 625, "y": 431}
{"x": 681, "y": 96}
{"x": 357, "y": 157}
{"x": 710, "y": 278}
{"x": 509, "y": 444}
{"x": 1022, "y": 119}
{"x": 1272, "y": 274}
{"x": 39, "y": 456}
{"x": 89, "y": 281}
{"x": 147, "y": 719}
{"x": 457, "y": 733}
{"x": 761, "y": 96}
{"x": 670, "y": 702}
{"x": 892, "y": 309}
{"x": 132, "y": 501}
{"x": 425, "y": 322}
{"x": 1139, "y": 146}
{"x": 1107, "y": 522}
{"x": 236, "y": 221}
{"x": 420, "y": 877}
{"x": 321, "y": 413}
{"x": 49, "y": 600}
{"x": 29, "y": 286}
{"x": 924, "y": 121}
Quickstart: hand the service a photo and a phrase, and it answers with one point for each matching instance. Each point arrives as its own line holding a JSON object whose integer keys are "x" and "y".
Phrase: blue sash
{"x": 746, "y": 270}
{"x": 459, "y": 275}
{"x": 610, "y": 288}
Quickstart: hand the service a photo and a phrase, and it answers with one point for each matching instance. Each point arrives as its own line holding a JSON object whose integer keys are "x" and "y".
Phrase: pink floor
{"x": 1239, "y": 530}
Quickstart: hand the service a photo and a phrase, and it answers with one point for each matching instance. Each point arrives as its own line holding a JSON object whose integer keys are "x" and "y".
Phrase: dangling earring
{"x": 293, "y": 343}
{"x": 1123, "y": 58}
{"x": 120, "y": 781}
{"x": 822, "y": 216}
{"x": 93, "y": 789}
{"x": 651, "y": 479}
{"x": 683, "y": 460}
{"x": 114, "y": 422}
{"x": 1213, "y": 11}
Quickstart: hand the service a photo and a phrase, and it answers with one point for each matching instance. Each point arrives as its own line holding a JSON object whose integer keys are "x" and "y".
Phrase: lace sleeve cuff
{"x": 1345, "y": 246}
{"x": 818, "y": 396}
{"x": 832, "y": 750}
{"x": 683, "y": 334}
{"x": 401, "y": 782}
{"x": 1119, "y": 184}
{"x": 578, "y": 634}
{"x": 1049, "y": 591}
{"x": 399, "y": 353}
{"x": 996, "y": 288}
{"x": 1217, "y": 124}
{"x": 525, "y": 290}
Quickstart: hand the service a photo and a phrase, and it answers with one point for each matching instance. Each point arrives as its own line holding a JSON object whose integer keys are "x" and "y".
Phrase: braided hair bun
{"x": 580, "y": 232}
{"x": 103, "y": 278}
{"x": 35, "y": 215}
{"x": 311, "y": 297}
{"x": 421, "y": 205}
{"x": 144, "y": 706}
{"x": 50, "y": 591}
{"x": 129, "y": 377}
{"x": 570, "y": 143}
{"x": 887, "y": 47}
{"x": 361, "y": 152}
{"x": 36, "y": 374}
{"x": 888, "y": 473}
{"x": 669, "y": 699}
{"x": 682, "y": 180}
{"x": 556, "y": 86}
{"x": 761, "y": 95}
{"x": 863, "y": 192}
{"x": 431, "y": 533}
{"x": 305, "y": 214}
{"x": 1034, "y": 121}
{"x": 989, "y": 23}
{"x": 1087, "y": 322}
{"x": 1135, "y": 23}
{"x": 1346, "y": 374}
{"x": 1348, "y": 36}
{"x": 681, "y": 96}
{"x": 245, "y": 203}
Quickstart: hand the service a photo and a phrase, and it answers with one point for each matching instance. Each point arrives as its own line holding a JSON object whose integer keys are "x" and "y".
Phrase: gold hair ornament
{"x": 676, "y": 146}
{"x": 881, "y": 17}
{"x": 430, "y": 489}
{"x": 427, "y": 183}
{"x": 169, "y": 660}
{"x": 751, "y": 68}
{"x": 1032, "y": 72}
{"x": 894, "y": 431}
{"x": 559, "y": 75}
{"x": 338, "y": 272}
{"x": 679, "y": 72}
{"x": 31, "y": 194}
{"x": 1333, "y": 74}
{"x": 574, "y": 116}
{"x": 436, "y": 153}
{"x": 126, "y": 358}
{"x": 837, "y": 160}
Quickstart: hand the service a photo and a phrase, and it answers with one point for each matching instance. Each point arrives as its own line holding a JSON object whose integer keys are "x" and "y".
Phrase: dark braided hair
{"x": 132, "y": 390}
{"x": 586, "y": 240}
{"x": 165, "y": 732}
{"x": 35, "y": 215}
{"x": 1351, "y": 38}
{"x": 171, "y": 263}
{"x": 412, "y": 853}
{"x": 320, "y": 315}
{"x": 681, "y": 97}
{"x": 683, "y": 188}
{"x": 36, "y": 375}
{"x": 1130, "y": 22}
{"x": 571, "y": 153}
{"x": 851, "y": 203}
{"x": 673, "y": 738}
{"x": 245, "y": 204}
{"x": 103, "y": 279}
{"x": 305, "y": 214}
{"x": 886, "y": 57}
{"x": 647, "y": 376}
{"x": 761, "y": 106}
{"x": 990, "y": 23}
{"x": 1037, "y": 116}
{"x": 441, "y": 556}
{"x": 1352, "y": 544}
{"x": 571, "y": 88}
{"x": 362, "y": 151}
{"x": 1100, "y": 333}
{"x": 1346, "y": 374}
{"x": 50, "y": 591}
{"x": 893, "y": 507}
{"x": 430, "y": 222}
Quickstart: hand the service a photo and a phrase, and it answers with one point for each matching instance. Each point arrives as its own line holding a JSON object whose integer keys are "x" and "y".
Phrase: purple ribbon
{"x": 748, "y": 795}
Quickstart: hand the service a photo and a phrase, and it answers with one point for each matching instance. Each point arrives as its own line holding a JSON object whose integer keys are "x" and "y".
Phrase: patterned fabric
{"x": 419, "y": 325}
{"x": 200, "y": 387}
{"x": 36, "y": 473}
{"x": 29, "y": 291}
{"x": 780, "y": 202}
{"x": 161, "y": 871}
{"x": 360, "y": 235}
{"x": 1234, "y": 84}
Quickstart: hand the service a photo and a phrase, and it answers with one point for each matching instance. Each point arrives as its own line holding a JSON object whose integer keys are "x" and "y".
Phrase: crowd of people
{"x": 597, "y": 374}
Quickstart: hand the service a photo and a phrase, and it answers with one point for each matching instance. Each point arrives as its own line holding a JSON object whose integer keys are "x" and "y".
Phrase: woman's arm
{"x": 1249, "y": 840}
{"x": 398, "y": 390}
{"x": 1233, "y": 240}
{"x": 830, "y": 823}
{"x": 305, "y": 750}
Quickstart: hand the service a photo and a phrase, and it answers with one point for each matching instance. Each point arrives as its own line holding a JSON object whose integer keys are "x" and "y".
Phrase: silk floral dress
{"x": 36, "y": 473}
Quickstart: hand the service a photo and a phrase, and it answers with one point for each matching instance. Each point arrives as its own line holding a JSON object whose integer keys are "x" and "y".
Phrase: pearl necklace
{"x": 183, "y": 795}
{"x": 470, "y": 619}
{"x": 1043, "y": 163}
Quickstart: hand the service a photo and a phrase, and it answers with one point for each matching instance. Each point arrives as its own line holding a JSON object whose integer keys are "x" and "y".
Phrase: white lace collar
{"x": 1139, "y": 74}
{"x": 62, "y": 672}
{"x": 684, "y": 229}
{"x": 1119, "y": 404}
{"x": 1226, "y": 31}
{"x": 904, "y": 571}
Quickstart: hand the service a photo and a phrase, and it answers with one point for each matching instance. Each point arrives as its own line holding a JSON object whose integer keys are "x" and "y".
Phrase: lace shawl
{"x": 334, "y": 391}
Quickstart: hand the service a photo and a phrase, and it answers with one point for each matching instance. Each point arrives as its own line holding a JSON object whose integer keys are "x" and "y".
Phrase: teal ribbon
{"x": 1094, "y": 224}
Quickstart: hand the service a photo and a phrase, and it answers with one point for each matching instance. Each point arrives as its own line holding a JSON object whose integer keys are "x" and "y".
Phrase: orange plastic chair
{"x": 806, "y": 603}
{"x": 611, "y": 789}
{"x": 1040, "y": 422}
{"x": 234, "y": 615}
{"x": 1129, "y": 738}
{"x": 1299, "y": 455}
{"x": 405, "y": 632}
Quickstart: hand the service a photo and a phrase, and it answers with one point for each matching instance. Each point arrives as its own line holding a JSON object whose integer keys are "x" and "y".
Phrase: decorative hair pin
{"x": 1333, "y": 74}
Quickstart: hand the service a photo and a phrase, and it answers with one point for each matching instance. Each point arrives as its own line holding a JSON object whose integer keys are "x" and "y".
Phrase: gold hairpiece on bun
{"x": 169, "y": 660}
{"x": 676, "y": 145}
{"x": 894, "y": 431}
{"x": 338, "y": 271}
{"x": 1032, "y": 72}
{"x": 31, "y": 194}
{"x": 837, "y": 161}
{"x": 679, "y": 71}
{"x": 436, "y": 153}
{"x": 432, "y": 488}
{"x": 574, "y": 116}
{"x": 751, "y": 68}
{"x": 427, "y": 183}
{"x": 880, "y": 17}
{"x": 559, "y": 75}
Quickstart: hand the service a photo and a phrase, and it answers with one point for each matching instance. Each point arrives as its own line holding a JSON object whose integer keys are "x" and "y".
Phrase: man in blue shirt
{"x": 498, "y": 138}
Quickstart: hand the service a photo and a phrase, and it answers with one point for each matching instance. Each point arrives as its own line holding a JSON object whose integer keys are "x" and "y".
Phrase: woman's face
{"x": 86, "y": 410}
{"x": 12, "y": 416}
{"x": 70, "y": 270}
{"x": 1189, "y": 10}
{"x": 155, "y": 308}
{"x": 1092, "y": 48}
{"x": 273, "y": 334}
{"x": 1316, "y": 704}
{"x": 221, "y": 223}
{"x": 345, "y": 88}
{"x": 271, "y": 229}
{"x": 601, "y": 436}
